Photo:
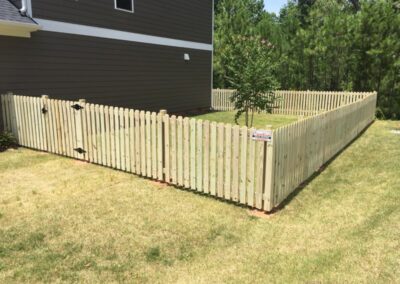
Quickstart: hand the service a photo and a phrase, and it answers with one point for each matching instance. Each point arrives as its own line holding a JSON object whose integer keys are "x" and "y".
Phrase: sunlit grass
{"x": 66, "y": 221}
{"x": 261, "y": 120}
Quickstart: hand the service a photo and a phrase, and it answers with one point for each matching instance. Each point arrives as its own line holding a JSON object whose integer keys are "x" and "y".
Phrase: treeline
{"x": 328, "y": 45}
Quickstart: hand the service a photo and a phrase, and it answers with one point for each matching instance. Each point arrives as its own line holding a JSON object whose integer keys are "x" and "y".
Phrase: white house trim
{"x": 29, "y": 7}
{"x": 68, "y": 28}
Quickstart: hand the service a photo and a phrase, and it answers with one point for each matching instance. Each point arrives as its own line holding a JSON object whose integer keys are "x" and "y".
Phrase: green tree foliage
{"x": 251, "y": 73}
{"x": 321, "y": 44}
{"x": 233, "y": 18}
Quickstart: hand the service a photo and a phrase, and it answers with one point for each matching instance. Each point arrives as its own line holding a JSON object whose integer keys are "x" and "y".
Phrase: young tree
{"x": 251, "y": 72}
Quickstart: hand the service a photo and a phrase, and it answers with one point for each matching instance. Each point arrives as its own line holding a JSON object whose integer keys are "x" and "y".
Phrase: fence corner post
{"x": 269, "y": 164}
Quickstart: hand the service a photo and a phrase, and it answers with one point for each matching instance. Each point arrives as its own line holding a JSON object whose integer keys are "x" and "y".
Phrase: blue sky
{"x": 274, "y": 5}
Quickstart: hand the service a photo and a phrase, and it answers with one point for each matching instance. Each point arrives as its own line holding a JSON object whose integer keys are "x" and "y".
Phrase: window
{"x": 124, "y": 5}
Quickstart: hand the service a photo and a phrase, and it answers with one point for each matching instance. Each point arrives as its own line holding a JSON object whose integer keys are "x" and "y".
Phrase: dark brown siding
{"x": 1, "y": 118}
{"x": 105, "y": 71}
{"x": 179, "y": 19}
{"x": 17, "y": 3}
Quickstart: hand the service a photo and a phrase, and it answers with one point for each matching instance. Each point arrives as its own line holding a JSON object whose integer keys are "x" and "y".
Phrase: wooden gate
{"x": 45, "y": 124}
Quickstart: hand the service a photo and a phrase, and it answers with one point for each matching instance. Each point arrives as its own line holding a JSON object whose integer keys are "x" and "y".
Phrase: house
{"x": 142, "y": 54}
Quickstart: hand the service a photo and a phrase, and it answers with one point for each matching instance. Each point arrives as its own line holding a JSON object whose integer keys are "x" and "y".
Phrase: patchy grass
{"x": 260, "y": 120}
{"x": 68, "y": 221}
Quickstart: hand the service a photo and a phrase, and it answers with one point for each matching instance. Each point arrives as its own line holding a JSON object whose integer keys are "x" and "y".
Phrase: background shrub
{"x": 7, "y": 140}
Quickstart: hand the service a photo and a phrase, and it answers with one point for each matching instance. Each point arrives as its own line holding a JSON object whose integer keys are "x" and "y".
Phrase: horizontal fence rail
{"x": 293, "y": 102}
{"x": 218, "y": 159}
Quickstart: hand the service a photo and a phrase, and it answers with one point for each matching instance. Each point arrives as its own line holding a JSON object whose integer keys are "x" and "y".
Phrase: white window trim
{"x": 123, "y": 10}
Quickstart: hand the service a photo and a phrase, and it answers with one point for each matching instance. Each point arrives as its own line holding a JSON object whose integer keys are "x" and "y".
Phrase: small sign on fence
{"x": 262, "y": 135}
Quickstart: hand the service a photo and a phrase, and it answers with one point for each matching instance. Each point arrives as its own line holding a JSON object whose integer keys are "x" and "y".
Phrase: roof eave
{"x": 17, "y": 29}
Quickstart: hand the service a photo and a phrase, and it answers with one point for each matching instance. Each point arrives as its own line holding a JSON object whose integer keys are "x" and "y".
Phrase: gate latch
{"x": 77, "y": 107}
{"x": 80, "y": 150}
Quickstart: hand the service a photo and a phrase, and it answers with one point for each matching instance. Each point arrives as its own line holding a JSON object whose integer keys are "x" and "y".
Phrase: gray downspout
{"x": 23, "y": 7}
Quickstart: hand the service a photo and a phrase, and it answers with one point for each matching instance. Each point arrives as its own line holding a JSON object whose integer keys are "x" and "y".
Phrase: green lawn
{"x": 260, "y": 120}
{"x": 63, "y": 221}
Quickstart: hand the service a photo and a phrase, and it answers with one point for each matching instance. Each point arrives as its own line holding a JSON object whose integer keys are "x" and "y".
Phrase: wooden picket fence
{"x": 293, "y": 102}
{"x": 303, "y": 147}
{"x": 218, "y": 159}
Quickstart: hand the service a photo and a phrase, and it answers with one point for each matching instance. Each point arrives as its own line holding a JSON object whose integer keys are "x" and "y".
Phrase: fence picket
{"x": 250, "y": 169}
{"x": 63, "y": 126}
{"x": 143, "y": 158}
{"x": 173, "y": 151}
{"x": 132, "y": 144}
{"x": 122, "y": 142}
{"x": 235, "y": 163}
{"x": 220, "y": 159}
{"x": 243, "y": 165}
{"x": 148, "y": 144}
{"x": 107, "y": 134}
{"x": 228, "y": 162}
{"x": 167, "y": 139}
{"x": 117, "y": 137}
{"x": 186, "y": 151}
{"x": 199, "y": 155}
{"x": 160, "y": 150}
{"x": 103, "y": 135}
{"x": 153, "y": 145}
{"x": 259, "y": 179}
{"x": 193, "y": 154}
{"x": 138, "y": 145}
{"x": 180, "y": 143}
{"x": 213, "y": 158}
{"x": 206, "y": 162}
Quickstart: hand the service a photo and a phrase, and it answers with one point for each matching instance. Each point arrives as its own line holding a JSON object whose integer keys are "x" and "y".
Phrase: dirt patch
{"x": 259, "y": 214}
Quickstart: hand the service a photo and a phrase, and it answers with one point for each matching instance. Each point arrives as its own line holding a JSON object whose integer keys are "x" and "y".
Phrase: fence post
{"x": 269, "y": 162}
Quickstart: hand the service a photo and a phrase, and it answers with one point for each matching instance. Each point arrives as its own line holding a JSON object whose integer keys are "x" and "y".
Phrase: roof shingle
{"x": 8, "y": 12}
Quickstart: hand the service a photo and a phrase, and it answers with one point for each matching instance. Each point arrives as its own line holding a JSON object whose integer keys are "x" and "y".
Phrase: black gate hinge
{"x": 80, "y": 150}
{"x": 44, "y": 110}
{"x": 77, "y": 107}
